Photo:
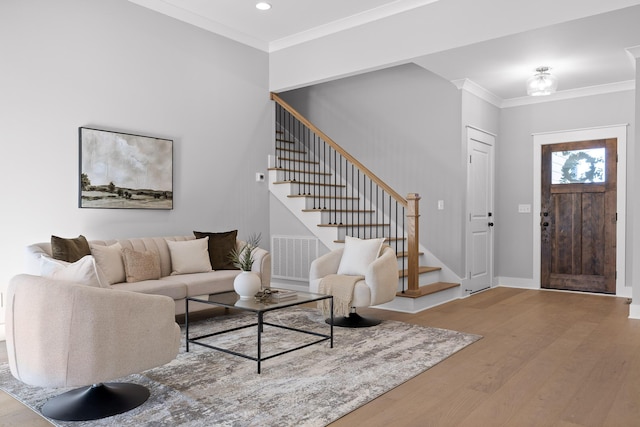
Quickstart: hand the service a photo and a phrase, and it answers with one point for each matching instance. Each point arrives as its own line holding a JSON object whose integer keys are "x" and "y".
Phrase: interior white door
{"x": 479, "y": 235}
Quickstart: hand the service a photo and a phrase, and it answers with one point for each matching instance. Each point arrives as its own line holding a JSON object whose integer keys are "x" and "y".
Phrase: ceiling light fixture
{"x": 263, "y": 5}
{"x": 542, "y": 83}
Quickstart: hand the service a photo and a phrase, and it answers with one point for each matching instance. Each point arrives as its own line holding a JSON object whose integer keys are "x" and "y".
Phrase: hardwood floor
{"x": 547, "y": 359}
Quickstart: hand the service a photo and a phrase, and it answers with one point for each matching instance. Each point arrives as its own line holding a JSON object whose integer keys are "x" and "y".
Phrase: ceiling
{"x": 585, "y": 54}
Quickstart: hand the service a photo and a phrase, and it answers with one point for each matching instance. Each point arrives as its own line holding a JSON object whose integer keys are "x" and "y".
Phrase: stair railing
{"x": 357, "y": 201}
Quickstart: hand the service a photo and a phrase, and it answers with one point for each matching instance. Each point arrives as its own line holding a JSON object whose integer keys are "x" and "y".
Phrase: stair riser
{"x": 362, "y": 232}
{"x": 343, "y": 204}
{"x": 327, "y": 217}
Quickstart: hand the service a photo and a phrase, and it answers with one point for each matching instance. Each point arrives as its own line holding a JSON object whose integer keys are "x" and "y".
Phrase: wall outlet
{"x": 524, "y": 208}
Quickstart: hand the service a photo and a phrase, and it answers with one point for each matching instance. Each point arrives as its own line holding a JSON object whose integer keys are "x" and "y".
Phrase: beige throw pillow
{"x": 191, "y": 256}
{"x": 139, "y": 266}
{"x": 109, "y": 261}
{"x": 83, "y": 271}
{"x": 358, "y": 254}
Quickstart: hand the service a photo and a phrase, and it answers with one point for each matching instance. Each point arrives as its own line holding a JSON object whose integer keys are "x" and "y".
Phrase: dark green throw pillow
{"x": 220, "y": 246}
{"x": 69, "y": 250}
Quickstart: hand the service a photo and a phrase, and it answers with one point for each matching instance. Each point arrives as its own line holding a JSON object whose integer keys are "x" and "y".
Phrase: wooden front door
{"x": 578, "y": 216}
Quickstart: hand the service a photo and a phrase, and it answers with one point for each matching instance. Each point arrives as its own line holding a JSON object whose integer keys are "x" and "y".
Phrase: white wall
{"x": 117, "y": 66}
{"x": 514, "y": 174}
{"x": 403, "y": 123}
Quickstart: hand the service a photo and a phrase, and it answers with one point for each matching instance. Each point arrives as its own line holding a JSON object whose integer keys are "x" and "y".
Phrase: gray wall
{"x": 403, "y": 123}
{"x": 514, "y": 172}
{"x": 117, "y": 66}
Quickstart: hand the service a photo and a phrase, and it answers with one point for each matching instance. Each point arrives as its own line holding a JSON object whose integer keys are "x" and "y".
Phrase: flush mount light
{"x": 263, "y": 6}
{"x": 542, "y": 83}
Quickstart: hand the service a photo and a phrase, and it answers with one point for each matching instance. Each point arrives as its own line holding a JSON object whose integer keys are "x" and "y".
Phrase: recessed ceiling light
{"x": 263, "y": 6}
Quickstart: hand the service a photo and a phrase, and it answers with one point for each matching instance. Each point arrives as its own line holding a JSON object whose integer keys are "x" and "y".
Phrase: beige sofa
{"x": 176, "y": 286}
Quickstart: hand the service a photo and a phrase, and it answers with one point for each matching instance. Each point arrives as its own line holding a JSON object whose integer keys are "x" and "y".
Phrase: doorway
{"x": 578, "y": 216}
{"x": 618, "y": 132}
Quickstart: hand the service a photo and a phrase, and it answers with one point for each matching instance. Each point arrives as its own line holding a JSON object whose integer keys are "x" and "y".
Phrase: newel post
{"x": 413, "y": 219}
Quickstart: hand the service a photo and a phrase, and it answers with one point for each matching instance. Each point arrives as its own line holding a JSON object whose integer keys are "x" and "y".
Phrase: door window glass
{"x": 578, "y": 166}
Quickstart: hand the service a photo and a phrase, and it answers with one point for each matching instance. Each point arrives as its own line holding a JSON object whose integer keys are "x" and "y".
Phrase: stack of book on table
{"x": 283, "y": 294}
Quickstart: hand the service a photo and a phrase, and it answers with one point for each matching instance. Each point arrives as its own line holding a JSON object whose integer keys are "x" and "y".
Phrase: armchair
{"x": 63, "y": 334}
{"x": 380, "y": 283}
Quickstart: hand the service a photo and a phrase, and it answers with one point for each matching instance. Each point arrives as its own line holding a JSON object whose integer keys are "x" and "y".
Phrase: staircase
{"x": 335, "y": 196}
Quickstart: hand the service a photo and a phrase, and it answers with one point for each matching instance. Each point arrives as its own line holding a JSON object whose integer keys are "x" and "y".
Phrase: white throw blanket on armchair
{"x": 341, "y": 287}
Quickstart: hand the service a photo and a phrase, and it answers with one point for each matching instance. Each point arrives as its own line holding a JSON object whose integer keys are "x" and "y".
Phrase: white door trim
{"x": 616, "y": 131}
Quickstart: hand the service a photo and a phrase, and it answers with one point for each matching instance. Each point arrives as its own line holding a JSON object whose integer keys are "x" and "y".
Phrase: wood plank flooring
{"x": 547, "y": 359}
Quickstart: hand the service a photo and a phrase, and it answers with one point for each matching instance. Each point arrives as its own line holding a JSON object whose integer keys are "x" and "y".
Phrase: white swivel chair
{"x": 379, "y": 286}
{"x": 64, "y": 334}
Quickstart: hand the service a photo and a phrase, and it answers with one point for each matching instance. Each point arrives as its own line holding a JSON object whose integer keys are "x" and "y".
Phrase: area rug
{"x": 309, "y": 387}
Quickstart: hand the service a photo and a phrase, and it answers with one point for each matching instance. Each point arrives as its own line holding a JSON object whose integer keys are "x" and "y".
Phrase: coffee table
{"x": 232, "y": 300}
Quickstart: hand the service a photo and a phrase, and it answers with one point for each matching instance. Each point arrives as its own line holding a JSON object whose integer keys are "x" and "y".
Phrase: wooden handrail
{"x": 340, "y": 150}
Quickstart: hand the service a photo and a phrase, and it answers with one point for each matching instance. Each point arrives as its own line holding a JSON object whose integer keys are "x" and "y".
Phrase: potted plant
{"x": 246, "y": 284}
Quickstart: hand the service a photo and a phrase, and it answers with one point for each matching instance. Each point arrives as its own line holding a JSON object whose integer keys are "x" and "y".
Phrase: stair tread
{"x": 386, "y": 239}
{"x": 323, "y": 197}
{"x": 353, "y": 225}
{"x": 308, "y": 183}
{"x": 421, "y": 269}
{"x": 338, "y": 210}
{"x": 429, "y": 289}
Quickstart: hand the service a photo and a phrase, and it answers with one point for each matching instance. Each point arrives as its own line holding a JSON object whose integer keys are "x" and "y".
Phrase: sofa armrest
{"x": 262, "y": 266}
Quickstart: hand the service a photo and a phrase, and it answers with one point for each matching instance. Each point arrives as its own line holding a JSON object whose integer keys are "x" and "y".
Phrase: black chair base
{"x": 354, "y": 320}
{"x": 95, "y": 402}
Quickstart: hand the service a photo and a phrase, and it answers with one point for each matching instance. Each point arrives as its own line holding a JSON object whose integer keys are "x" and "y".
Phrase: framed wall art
{"x": 124, "y": 171}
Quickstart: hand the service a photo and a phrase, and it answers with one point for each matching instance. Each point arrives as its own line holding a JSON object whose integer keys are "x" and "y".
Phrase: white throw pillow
{"x": 191, "y": 256}
{"x": 83, "y": 271}
{"x": 109, "y": 261}
{"x": 358, "y": 254}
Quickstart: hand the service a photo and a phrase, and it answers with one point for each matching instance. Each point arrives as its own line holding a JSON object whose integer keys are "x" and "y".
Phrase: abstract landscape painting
{"x": 125, "y": 171}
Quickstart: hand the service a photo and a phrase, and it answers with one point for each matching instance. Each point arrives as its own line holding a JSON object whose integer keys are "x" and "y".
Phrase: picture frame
{"x": 124, "y": 171}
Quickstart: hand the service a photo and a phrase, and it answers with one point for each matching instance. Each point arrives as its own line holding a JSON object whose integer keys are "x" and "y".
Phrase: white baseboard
{"x": 515, "y": 282}
{"x": 634, "y": 311}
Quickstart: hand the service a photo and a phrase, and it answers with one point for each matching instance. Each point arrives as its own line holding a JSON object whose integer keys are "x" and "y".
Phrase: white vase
{"x": 246, "y": 284}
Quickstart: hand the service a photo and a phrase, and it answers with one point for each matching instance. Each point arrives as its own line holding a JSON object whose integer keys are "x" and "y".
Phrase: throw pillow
{"x": 83, "y": 271}
{"x": 109, "y": 261}
{"x": 220, "y": 247}
{"x": 139, "y": 266}
{"x": 69, "y": 250}
{"x": 191, "y": 256}
{"x": 358, "y": 254}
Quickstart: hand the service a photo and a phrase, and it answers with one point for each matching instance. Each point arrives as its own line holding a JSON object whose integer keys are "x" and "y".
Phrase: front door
{"x": 578, "y": 216}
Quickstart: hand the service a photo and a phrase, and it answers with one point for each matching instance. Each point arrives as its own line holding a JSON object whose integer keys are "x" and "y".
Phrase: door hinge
{"x": 469, "y": 158}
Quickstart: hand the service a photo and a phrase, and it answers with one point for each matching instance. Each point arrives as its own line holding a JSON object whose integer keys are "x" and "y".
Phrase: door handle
{"x": 490, "y": 224}
{"x": 545, "y": 224}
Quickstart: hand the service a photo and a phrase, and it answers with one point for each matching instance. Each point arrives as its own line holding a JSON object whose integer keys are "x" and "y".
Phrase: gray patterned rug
{"x": 309, "y": 387}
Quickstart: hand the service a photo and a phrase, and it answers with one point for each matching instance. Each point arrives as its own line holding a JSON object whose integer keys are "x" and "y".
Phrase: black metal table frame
{"x": 260, "y": 324}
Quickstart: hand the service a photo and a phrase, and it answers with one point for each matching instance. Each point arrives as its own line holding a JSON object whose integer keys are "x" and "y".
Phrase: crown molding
{"x": 479, "y": 91}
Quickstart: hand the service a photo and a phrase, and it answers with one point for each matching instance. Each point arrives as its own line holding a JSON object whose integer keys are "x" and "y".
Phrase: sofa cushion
{"x": 109, "y": 261}
{"x": 191, "y": 256}
{"x": 358, "y": 254}
{"x": 208, "y": 283}
{"x": 220, "y": 247}
{"x": 83, "y": 271}
{"x": 69, "y": 250}
{"x": 139, "y": 266}
{"x": 174, "y": 289}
